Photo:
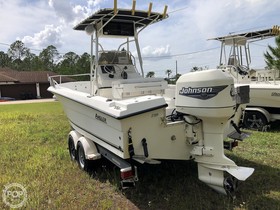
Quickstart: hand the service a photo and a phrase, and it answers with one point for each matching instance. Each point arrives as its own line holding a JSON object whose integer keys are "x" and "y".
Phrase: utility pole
{"x": 176, "y": 70}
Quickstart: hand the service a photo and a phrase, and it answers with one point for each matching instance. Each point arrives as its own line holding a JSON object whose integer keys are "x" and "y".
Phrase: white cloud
{"x": 94, "y": 3}
{"x": 63, "y": 10}
{"x": 215, "y": 16}
{"x": 149, "y": 51}
{"x": 188, "y": 30}
{"x": 18, "y": 19}
{"x": 41, "y": 22}
{"x": 70, "y": 13}
{"x": 49, "y": 36}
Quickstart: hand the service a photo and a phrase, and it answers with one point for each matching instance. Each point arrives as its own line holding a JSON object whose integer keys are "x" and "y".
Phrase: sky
{"x": 181, "y": 38}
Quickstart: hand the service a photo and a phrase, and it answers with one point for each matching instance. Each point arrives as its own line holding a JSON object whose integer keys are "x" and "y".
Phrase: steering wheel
{"x": 243, "y": 69}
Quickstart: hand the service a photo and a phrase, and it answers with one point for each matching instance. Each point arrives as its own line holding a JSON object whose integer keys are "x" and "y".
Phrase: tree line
{"x": 20, "y": 57}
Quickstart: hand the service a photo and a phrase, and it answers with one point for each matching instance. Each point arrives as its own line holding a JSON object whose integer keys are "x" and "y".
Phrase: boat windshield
{"x": 115, "y": 57}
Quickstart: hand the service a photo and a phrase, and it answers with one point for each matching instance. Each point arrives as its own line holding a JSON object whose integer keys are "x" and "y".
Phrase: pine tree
{"x": 272, "y": 58}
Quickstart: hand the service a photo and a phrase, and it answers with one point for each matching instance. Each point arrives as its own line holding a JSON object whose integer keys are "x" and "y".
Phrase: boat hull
{"x": 111, "y": 132}
{"x": 264, "y": 95}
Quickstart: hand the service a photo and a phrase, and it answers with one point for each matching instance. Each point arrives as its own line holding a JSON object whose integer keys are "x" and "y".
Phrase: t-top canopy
{"x": 139, "y": 18}
{"x": 254, "y": 35}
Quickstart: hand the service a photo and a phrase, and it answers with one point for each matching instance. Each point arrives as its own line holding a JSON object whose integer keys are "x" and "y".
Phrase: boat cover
{"x": 140, "y": 18}
{"x": 253, "y": 35}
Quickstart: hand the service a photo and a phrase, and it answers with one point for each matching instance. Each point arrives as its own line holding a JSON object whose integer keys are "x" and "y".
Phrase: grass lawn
{"x": 33, "y": 152}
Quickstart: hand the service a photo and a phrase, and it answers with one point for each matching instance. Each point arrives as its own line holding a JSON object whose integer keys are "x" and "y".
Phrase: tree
{"x": 150, "y": 74}
{"x": 5, "y": 60}
{"x": 177, "y": 77}
{"x": 83, "y": 64}
{"x": 195, "y": 68}
{"x": 17, "y": 53}
{"x": 17, "y": 50}
{"x": 48, "y": 57}
{"x": 68, "y": 64}
{"x": 29, "y": 63}
{"x": 168, "y": 72}
{"x": 272, "y": 58}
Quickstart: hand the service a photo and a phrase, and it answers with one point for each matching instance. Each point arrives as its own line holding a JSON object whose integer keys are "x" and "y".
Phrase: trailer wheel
{"x": 81, "y": 158}
{"x": 254, "y": 120}
{"x": 71, "y": 148}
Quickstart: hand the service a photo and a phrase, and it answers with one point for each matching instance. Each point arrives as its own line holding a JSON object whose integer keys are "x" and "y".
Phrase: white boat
{"x": 264, "y": 105}
{"x": 122, "y": 116}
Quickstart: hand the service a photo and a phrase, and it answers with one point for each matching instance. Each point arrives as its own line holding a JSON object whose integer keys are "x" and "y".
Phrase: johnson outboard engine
{"x": 210, "y": 96}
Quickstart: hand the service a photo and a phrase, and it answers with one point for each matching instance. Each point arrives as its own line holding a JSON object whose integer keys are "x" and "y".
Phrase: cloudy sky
{"x": 182, "y": 37}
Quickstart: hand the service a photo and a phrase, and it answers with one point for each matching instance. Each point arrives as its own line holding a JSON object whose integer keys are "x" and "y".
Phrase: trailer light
{"x": 127, "y": 173}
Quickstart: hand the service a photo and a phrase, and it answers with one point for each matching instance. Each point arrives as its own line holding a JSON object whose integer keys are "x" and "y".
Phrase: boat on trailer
{"x": 120, "y": 115}
{"x": 235, "y": 58}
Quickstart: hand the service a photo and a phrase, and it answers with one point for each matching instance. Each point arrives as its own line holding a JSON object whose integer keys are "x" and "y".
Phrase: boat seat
{"x": 126, "y": 88}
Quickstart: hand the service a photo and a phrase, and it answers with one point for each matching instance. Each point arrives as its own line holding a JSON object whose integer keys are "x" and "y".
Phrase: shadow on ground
{"x": 174, "y": 185}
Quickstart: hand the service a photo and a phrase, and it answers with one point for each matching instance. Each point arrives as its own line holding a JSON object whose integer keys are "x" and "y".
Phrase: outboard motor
{"x": 210, "y": 96}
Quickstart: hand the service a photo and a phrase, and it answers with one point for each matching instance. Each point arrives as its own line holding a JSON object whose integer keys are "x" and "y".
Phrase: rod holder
{"x": 133, "y": 7}
{"x": 115, "y": 6}
{"x": 164, "y": 11}
{"x": 150, "y": 9}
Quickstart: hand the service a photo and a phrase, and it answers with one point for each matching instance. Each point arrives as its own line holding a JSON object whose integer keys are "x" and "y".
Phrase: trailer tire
{"x": 71, "y": 148}
{"x": 254, "y": 120}
{"x": 81, "y": 158}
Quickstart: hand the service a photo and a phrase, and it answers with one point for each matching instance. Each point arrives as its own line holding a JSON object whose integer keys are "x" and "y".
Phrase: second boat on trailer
{"x": 122, "y": 116}
{"x": 235, "y": 58}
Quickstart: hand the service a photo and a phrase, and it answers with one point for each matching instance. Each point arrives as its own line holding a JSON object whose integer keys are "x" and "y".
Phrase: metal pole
{"x": 225, "y": 54}
{"x": 176, "y": 70}
{"x": 138, "y": 50}
{"x": 221, "y": 53}
{"x": 139, "y": 55}
{"x": 241, "y": 60}
{"x": 91, "y": 65}
{"x": 96, "y": 60}
{"x": 246, "y": 55}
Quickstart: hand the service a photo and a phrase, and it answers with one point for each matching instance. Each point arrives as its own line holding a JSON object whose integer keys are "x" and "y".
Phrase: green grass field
{"x": 33, "y": 152}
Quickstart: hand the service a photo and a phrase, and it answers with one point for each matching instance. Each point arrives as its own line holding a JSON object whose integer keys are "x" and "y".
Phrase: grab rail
{"x": 53, "y": 82}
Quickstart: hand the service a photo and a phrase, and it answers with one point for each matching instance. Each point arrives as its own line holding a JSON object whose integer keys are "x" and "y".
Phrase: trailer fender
{"x": 261, "y": 110}
{"x": 75, "y": 136}
{"x": 91, "y": 152}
